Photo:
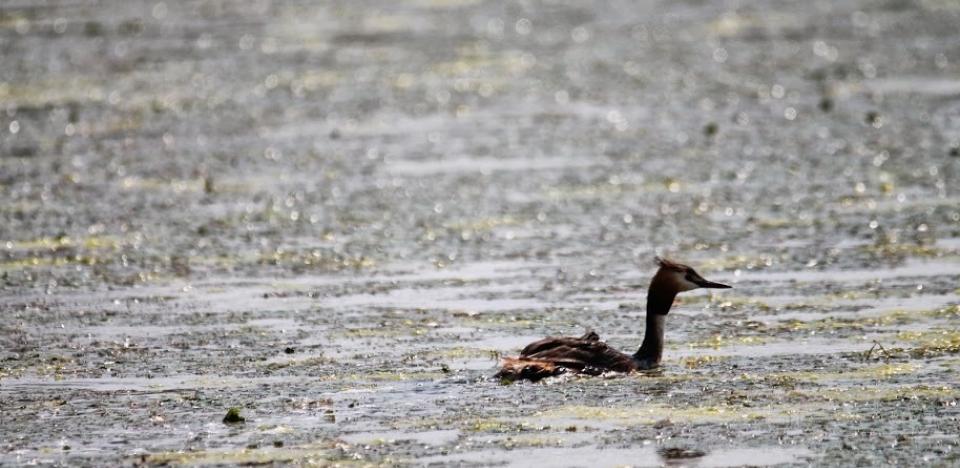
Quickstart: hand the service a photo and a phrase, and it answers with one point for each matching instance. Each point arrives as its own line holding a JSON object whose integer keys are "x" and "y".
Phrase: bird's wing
{"x": 554, "y": 341}
{"x": 581, "y": 355}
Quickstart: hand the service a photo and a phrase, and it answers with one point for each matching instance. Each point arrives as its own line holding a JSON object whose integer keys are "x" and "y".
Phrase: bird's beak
{"x": 710, "y": 284}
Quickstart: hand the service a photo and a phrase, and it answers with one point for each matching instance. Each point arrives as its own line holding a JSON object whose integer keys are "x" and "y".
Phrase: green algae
{"x": 648, "y": 414}
{"x": 52, "y": 92}
{"x": 385, "y": 332}
{"x": 868, "y": 373}
{"x": 700, "y": 361}
{"x": 63, "y": 251}
{"x": 737, "y": 262}
{"x": 384, "y": 376}
{"x": 864, "y": 394}
{"x": 307, "y": 455}
{"x": 482, "y": 224}
{"x": 734, "y": 25}
{"x": 233, "y": 416}
{"x": 945, "y": 312}
{"x": 531, "y": 440}
{"x": 892, "y": 318}
{"x": 303, "y": 362}
{"x": 593, "y": 191}
{"x": 56, "y": 243}
{"x": 41, "y": 262}
{"x": 747, "y": 407}
{"x": 443, "y": 4}
{"x": 719, "y": 340}
{"x": 889, "y": 249}
{"x": 56, "y": 370}
{"x": 724, "y": 303}
{"x": 457, "y": 352}
{"x": 781, "y": 223}
{"x": 496, "y": 425}
{"x": 174, "y": 185}
{"x": 931, "y": 342}
{"x": 391, "y": 87}
{"x": 315, "y": 259}
{"x": 499, "y": 321}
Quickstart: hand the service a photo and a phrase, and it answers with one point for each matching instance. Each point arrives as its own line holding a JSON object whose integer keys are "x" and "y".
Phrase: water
{"x": 336, "y": 217}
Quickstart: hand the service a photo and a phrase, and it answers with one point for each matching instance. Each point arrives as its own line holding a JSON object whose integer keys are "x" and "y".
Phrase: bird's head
{"x": 677, "y": 278}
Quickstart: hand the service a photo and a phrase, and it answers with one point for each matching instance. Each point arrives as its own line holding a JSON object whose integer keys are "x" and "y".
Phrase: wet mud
{"x": 304, "y": 233}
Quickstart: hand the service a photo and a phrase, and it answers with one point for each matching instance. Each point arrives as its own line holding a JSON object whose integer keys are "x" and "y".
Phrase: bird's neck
{"x": 651, "y": 350}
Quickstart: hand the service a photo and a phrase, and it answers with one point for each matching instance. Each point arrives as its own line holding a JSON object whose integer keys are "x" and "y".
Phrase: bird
{"x": 588, "y": 355}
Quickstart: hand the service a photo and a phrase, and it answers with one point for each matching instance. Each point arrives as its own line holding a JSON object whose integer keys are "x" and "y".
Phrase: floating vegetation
{"x": 888, "y": 249}
{"x": 457, "y": 352}
{"x": 725, "y": 303}
{"x": 719, "y": 341}
{"x": 680, "y": 453}
{"x": 871, "y": 373}
{"x": 305, "y": 362}
{"x": 700, "y": 361}
{"x": 52, "y": 92}
{"x": 781, "y": 223}
{"x": 320, "y": 454}
{"x": 874, "y": 394}
{"x": 482, "y": 224}
{"x": 896, "y": 317}
{"x": 198, "y": 185}
{"x": 652, "y": 414}
{"x": 528, "y": 440}
{"x": 779, "y": 380}
{"x": 497, "y": 425}
{"x": 932, "y": 342}
{"x": 590, "y": 191}
{"x": 950, "y": 311}
{"x": 233, "y": 416}
{"x": 384, "y": 376}
{"x": 62, "y": 242}
{"x": 32, "y": 262}
{"x": 314, "y": 259}
{"x": 52, "y": 366}
{"x": 337, "y": 215}
{"x": 444, "y": 3}
{"x": 738, "y": 262}
{"x": 499, "y": 320}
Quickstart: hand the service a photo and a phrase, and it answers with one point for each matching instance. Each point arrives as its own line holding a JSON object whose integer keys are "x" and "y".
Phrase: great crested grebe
{"x": 588, "y": 355}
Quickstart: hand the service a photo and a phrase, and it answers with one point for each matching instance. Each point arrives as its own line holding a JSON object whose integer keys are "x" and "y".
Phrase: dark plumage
{"x": 556, "y": 355}
{"x": 588, "y": 355}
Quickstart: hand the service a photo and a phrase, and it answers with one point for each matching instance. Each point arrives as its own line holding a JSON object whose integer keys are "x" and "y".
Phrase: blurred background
{"x": 209, "y": 136}
{"x": 232, "y": 179}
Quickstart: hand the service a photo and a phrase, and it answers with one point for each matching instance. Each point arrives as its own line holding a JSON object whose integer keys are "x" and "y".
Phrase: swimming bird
{"x": 588, "y": 355}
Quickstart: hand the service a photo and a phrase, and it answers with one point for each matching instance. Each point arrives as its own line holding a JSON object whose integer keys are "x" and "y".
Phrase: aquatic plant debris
{"x": 336, "y": 217}
{"x": 233, "y": 416}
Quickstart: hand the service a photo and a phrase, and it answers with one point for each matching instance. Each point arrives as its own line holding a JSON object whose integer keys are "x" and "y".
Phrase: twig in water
{"x": 886, "y": 355}
{"x": 882, "y": 350}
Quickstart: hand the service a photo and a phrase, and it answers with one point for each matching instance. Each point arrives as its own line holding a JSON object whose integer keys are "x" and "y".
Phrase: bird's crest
{"x": 670, "y": 265}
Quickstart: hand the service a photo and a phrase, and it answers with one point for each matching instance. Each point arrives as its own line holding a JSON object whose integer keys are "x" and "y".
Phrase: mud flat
{"x": 335, "y": 217}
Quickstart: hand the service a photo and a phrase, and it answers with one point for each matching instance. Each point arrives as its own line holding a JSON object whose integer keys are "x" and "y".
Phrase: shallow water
{"x": 337, "y": 217}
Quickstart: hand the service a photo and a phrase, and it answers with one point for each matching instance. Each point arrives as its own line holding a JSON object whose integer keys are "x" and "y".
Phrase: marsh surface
{"x": 335, "y": 216}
